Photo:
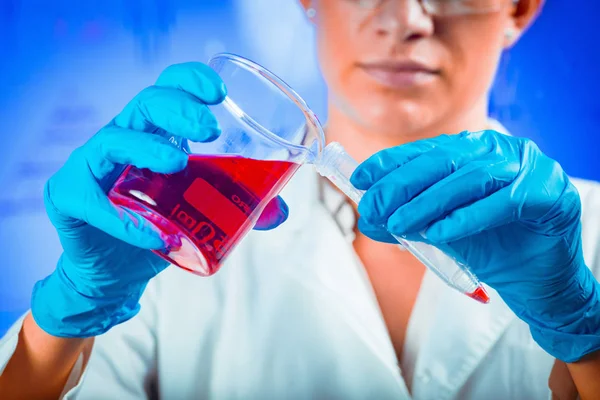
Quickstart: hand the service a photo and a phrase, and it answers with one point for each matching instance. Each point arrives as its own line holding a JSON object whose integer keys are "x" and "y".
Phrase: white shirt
{"x": 293, "y": 315}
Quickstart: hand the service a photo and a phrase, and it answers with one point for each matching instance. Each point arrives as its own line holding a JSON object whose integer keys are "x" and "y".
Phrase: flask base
{"x": 180, "y": 250}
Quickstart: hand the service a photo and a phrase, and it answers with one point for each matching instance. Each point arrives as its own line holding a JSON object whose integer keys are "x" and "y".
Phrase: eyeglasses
{"x": 443, "y": 8}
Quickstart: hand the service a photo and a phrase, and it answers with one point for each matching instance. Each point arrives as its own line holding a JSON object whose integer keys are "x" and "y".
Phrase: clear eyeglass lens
{"x": 460, "y": 7}
{"x": 367, "y": 4}
{"x": 443, "y": 7}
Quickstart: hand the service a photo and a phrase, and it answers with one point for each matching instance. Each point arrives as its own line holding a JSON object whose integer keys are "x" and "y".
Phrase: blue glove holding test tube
{"x": 499, "y": 205}
{"x": 107, "y": 261}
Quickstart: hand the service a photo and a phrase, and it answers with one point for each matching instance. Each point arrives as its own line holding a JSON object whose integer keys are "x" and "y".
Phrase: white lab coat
{"x": 292, "y": 315}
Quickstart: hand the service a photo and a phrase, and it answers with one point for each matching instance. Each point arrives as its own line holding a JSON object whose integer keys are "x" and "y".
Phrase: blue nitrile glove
{"x": 106, "y": 262}
{"x": 501, "y": 206}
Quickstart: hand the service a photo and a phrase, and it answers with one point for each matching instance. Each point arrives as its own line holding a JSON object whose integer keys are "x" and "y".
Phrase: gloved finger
{"x": 175, "y": 111}
{"x": 375, "y": 232}
{"x": 114, "y": 145}
{"x": 195, "y": 78}
{"x": 382, "y": 163}
{"x": 274, "y": 214}
{"x": 469, "y": 184}
{"x": 68, "y": 206}
{"x": 121, "y": 224}
{"x": 380, "y": 233}
{"x": 535, "y": 199}
{"x": 400, "y": 186}
{"x": 493, "y": 211}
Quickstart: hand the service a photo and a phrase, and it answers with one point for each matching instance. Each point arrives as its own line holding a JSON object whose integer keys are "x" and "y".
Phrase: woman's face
{"x": 395, "y": 68}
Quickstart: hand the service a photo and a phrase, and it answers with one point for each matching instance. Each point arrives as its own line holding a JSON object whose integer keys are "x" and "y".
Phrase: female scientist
{"x": 323, "y": 307}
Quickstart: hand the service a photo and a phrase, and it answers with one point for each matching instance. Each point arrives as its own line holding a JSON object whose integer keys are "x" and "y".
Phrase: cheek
{"x": 336, "y": 53}
{"x": 474, "y": 61}
{"x": 340, "y": 45}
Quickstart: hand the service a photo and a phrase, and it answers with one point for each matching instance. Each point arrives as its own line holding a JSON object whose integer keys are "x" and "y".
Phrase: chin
{"x": 405, "y": 121}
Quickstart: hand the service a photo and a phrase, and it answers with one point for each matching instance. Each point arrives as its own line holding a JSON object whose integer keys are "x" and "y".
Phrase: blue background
{"x": 68, "y": 66}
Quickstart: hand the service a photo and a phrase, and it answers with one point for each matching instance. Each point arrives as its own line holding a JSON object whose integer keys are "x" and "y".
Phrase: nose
{"x": 403, "y": 20}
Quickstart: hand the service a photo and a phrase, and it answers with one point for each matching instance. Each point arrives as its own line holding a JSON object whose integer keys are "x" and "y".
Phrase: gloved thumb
{"x": 274, "y": 214}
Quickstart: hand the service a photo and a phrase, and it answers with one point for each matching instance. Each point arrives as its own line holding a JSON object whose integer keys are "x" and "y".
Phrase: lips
{"x": 400, "y": 74}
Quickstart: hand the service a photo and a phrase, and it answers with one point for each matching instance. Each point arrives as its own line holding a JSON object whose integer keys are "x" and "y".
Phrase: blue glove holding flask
{"x": 107, "y": 261}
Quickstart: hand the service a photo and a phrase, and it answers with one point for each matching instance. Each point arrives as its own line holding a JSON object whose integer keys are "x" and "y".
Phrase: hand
{"x": 498, "y": 204}
{"x": 107, "y": 261}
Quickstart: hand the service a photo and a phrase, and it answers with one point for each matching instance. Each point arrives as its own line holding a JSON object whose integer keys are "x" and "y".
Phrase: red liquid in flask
{"x": 207, "y": 207}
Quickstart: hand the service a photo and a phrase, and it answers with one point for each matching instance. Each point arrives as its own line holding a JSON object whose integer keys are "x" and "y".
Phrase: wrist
{"x": 584, "y": 374}
{"x": 573, "y": 331}
{"x": 61, "y": 310}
